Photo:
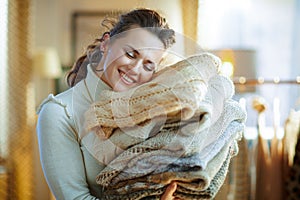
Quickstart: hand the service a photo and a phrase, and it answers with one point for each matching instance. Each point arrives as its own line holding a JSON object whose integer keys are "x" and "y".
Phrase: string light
{"x": 242, "y": 80}
{"x": 276, "y": 79}
{"x": 260, "y": 80}
{"x": 227, "y": 69}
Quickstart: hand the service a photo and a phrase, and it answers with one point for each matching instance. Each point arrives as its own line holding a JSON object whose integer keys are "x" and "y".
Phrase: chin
{"x": 119, "y": 88}
{"x": 122, "y": 88}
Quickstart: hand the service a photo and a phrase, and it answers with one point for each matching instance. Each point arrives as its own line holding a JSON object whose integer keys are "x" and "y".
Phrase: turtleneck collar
{"x": 94, "y": 84}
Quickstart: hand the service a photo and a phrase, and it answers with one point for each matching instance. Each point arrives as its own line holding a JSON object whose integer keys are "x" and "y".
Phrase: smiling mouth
{"x": 126, "y": 78}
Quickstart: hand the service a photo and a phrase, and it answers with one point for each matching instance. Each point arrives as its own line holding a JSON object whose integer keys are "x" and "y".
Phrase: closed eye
{"x": 149, "y": 66}
{"x": 130, "y": 54}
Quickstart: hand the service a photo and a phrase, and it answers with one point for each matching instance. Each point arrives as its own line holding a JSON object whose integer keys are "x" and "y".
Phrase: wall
{"x": 53, "y": 19}
{"x": 52, "y": 26}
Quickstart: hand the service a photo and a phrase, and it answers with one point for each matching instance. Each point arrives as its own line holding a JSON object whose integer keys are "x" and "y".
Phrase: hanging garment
{"x": 263, "y": 173}
{"x": 293, "y": 172}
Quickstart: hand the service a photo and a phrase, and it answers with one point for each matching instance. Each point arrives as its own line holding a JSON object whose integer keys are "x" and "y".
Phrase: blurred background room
{"x": 257, "y": 40}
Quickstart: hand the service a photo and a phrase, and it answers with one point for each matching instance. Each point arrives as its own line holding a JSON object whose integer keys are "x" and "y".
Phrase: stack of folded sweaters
{"x": 181, "y": 126}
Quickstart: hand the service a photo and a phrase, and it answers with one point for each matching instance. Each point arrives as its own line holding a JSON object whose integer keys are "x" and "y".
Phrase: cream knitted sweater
{"x": 174, "y": 92}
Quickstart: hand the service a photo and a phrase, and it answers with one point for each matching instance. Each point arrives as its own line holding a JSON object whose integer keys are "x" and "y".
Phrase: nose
{"x": 136, "y": 65}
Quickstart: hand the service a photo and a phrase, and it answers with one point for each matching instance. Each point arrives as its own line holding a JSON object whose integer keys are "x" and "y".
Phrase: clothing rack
{"x": 273, "y": 91}
{"x": 260, "y": 80}
{"x": 261, "y": 169}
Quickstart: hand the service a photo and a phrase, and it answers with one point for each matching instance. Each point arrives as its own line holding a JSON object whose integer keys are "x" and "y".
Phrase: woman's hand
{"x": 168, "y": 194}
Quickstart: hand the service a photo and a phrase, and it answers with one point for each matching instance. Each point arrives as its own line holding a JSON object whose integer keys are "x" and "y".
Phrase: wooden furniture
{"x": 3, "y": 183}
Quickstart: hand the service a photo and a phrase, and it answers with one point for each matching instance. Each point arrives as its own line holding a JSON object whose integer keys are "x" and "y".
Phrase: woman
{"x": 123, "y": 58}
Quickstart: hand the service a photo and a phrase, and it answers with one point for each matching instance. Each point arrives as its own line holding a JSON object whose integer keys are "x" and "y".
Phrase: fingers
{"x": 168, "y": 194}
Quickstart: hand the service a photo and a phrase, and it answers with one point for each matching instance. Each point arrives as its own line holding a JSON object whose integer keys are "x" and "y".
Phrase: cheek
{"x": 117, "y": 61}
{"x": 146, "y": 76}
{"x": 111, "y": 68}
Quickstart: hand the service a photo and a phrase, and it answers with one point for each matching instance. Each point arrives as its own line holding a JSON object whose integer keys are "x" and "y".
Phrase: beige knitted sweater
{"x": 173, "y": 93}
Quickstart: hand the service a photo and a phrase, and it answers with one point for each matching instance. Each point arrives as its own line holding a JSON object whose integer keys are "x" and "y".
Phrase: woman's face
{"x": 131, "y": 59}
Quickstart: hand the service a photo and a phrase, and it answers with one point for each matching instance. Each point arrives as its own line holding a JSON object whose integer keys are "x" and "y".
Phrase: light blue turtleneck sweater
{"x": 69, "y": 168}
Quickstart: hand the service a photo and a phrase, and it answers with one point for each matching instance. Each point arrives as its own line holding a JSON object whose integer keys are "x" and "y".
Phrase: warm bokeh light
{"x": 47, "y": 64}
{"x": 227, "y": 69}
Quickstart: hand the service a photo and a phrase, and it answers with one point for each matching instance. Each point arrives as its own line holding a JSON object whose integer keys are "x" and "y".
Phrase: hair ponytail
{"x": 79, "y": 69}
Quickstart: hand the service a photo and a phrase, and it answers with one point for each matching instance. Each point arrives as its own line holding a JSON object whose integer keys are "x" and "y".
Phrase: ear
{"x": 105, "y": 40}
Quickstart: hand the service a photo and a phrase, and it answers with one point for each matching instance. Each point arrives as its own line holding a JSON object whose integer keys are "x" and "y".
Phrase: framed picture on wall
{"x": 86, "y": 27}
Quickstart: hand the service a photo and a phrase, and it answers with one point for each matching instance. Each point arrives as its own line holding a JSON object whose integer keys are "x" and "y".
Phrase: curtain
{"x": 20, "y": 111}
{"x": 190, "y": 18}
{"x": 190, "y": 24}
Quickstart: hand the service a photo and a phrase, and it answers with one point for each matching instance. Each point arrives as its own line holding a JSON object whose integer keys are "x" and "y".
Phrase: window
{"x": 265, "y": 26}
{"x": 3, "y": 74}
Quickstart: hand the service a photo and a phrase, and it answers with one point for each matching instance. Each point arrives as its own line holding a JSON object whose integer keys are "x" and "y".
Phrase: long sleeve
{"x": 60, "y": 153}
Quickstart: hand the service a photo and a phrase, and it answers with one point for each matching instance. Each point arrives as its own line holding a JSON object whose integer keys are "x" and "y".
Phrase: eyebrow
{"x": 133, "y": 49}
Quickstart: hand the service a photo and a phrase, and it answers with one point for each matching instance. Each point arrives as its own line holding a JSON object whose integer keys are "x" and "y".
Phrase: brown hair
{"x": 144, "y": 18}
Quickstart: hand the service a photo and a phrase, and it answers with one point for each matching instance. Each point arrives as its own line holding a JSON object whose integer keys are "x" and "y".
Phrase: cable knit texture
{"x": 174, "y": 91}
{"x": 198, "y": 126}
